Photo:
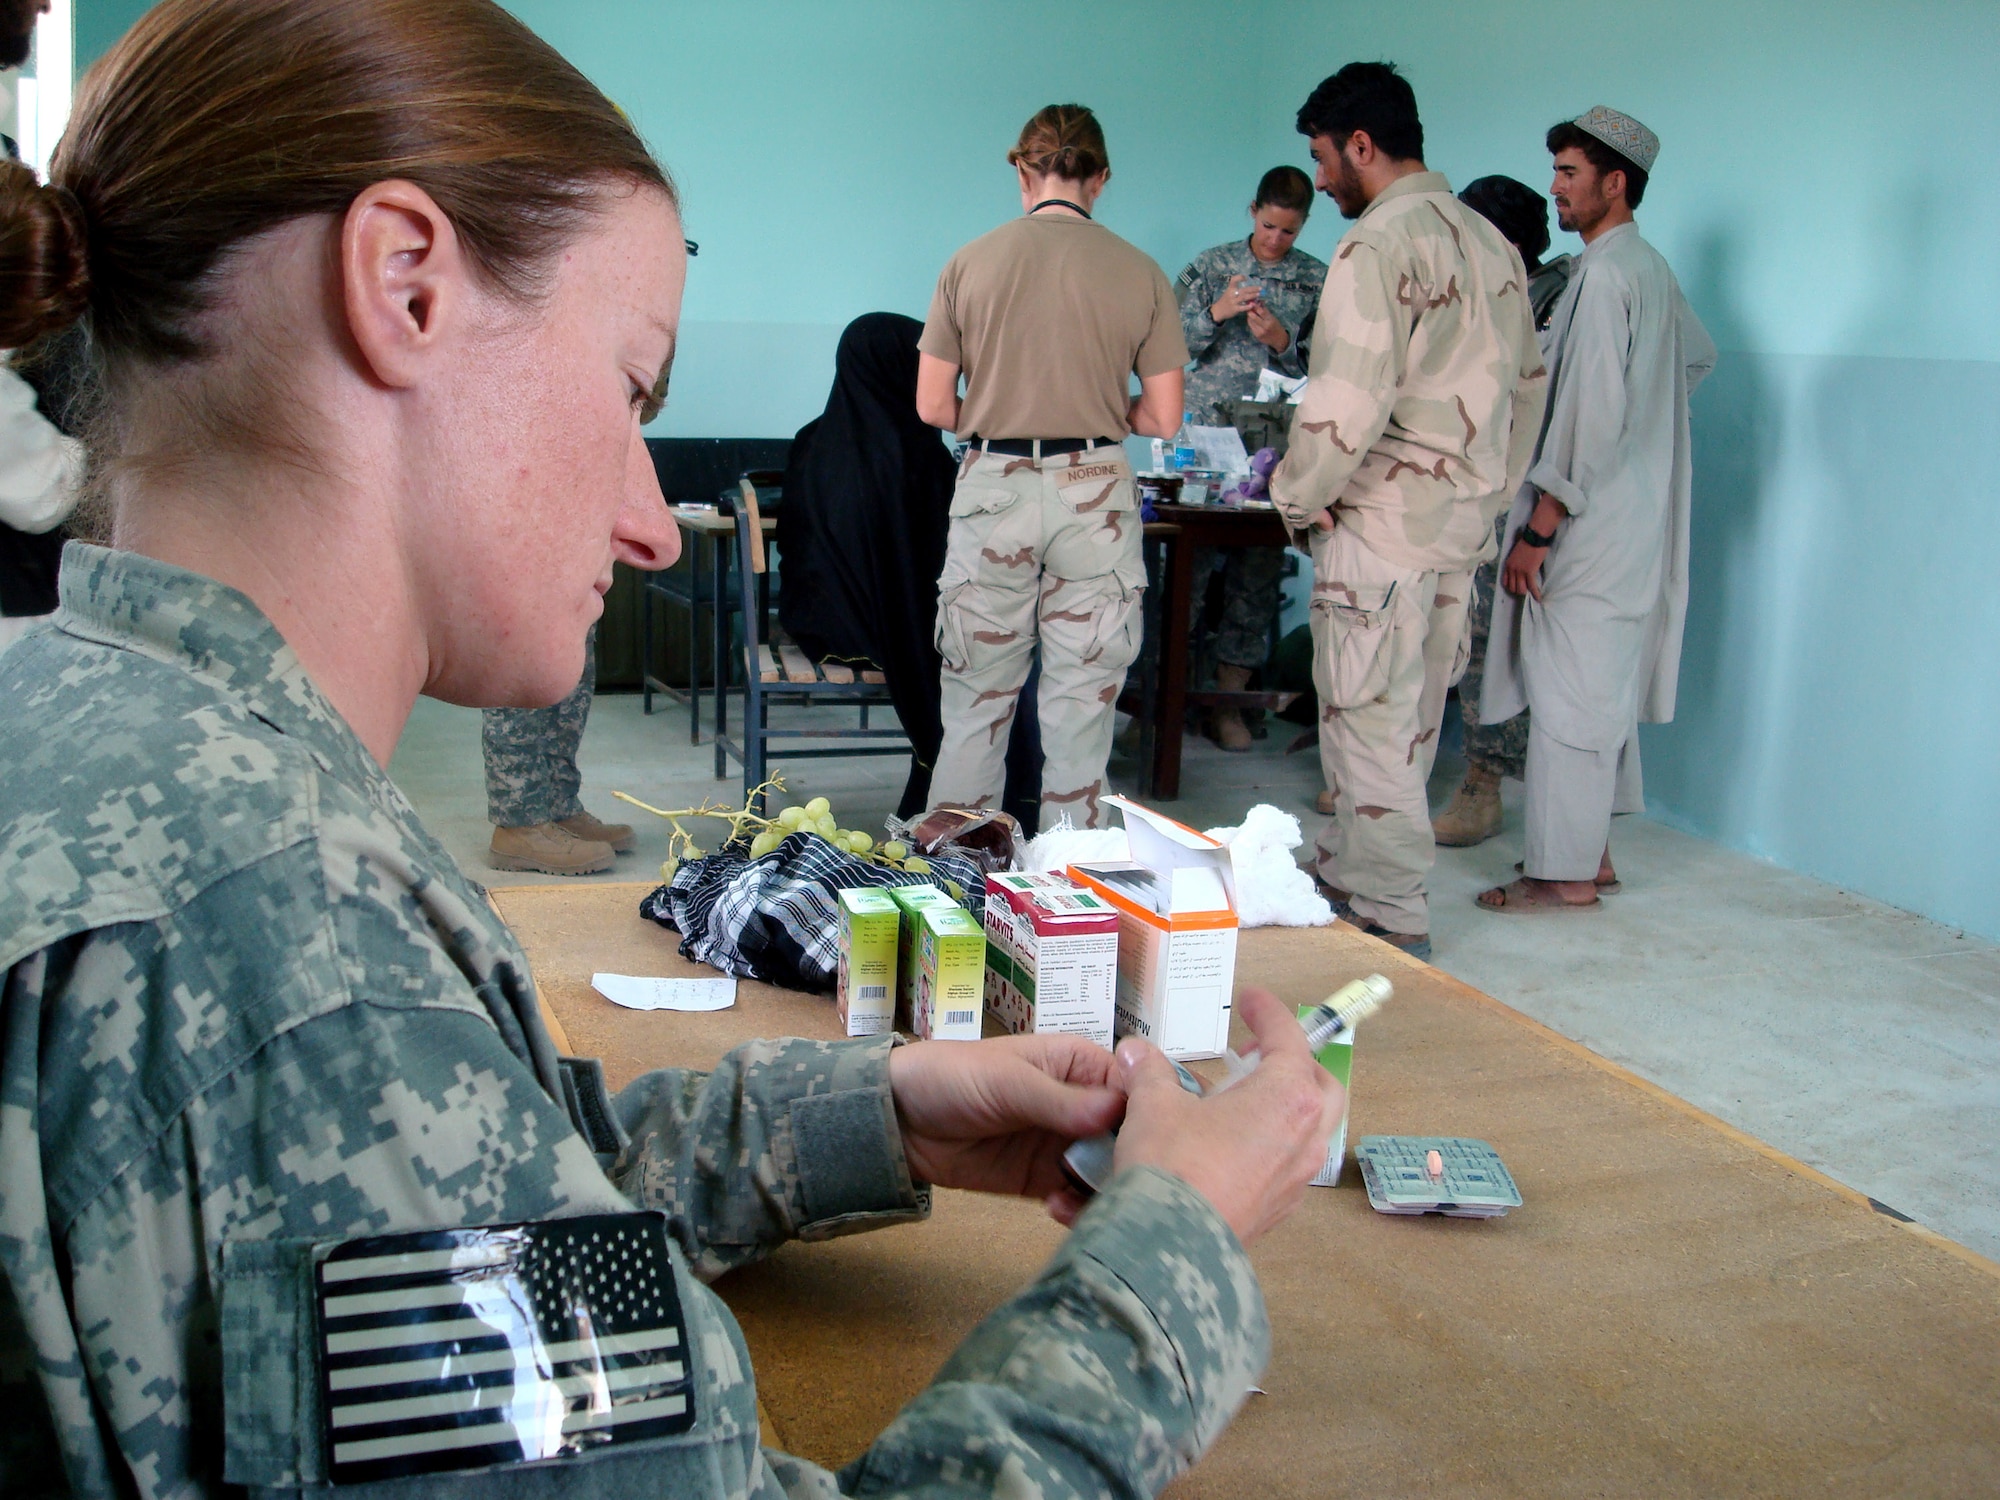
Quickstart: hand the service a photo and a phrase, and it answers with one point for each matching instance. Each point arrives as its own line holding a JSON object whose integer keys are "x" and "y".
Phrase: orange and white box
{"x": 1051, "y": 956}
{"x": 1176, "y": 904}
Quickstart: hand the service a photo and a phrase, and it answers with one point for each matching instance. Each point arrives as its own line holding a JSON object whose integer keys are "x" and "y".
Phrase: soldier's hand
{"x": 1523, "y": 573}
{"x": 1268, "y": 331}
{"x": 1236, "y": 299}
{"x": 1250, "y": 1151}
{"x": 996, "y": 1116}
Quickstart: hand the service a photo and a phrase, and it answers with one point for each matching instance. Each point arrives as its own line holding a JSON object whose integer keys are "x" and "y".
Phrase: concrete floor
{"x": 1863, "y": 1040}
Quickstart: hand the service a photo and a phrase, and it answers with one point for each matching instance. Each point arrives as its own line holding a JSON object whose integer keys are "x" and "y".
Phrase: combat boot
{"x": 549, "y": 848}
{"x": 1225, "y": 725}
{"x": 618, "y": 835}
{"x": 1474, "y": 814}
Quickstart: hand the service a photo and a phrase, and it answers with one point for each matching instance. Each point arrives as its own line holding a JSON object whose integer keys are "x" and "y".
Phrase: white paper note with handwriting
{"x": 636, "y": 993}
{"x": 1221, "y": 449}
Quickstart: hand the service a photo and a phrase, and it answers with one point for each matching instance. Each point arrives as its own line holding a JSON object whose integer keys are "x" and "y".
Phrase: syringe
{"x": 1087, "y": 1163}
{"x": 1333, "y": 1017}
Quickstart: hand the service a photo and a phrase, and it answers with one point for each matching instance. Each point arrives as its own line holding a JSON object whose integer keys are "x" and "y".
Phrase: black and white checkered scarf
{"x": 777, "y": 918}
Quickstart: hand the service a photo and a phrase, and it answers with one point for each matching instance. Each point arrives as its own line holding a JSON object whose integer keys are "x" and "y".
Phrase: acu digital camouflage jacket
{"x": 249, "y": 1009}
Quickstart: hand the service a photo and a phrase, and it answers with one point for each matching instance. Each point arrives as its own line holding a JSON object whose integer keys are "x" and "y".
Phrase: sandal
{"x": 1609, "y": 887}
{"x": 1526, "y": 897}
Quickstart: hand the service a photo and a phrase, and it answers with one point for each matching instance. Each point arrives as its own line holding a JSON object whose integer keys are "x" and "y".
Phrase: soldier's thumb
{"x": 1143, "y": 1067}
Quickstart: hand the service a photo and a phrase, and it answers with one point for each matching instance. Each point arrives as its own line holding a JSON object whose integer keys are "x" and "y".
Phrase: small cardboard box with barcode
{"x": 951, "y": 975}
{"x": 911, "y": 899}
{"x": 1176, "y": 904}
{"x": 1337, "y": 1057}
{"x": 866, "y": 989}
{"x": 1051, "y": 956}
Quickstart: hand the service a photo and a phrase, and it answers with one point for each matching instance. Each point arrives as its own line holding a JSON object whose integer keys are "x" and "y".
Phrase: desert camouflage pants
{"x": 1388, "y": 642}
{"x": 1250, "y": 579}
{"x": 531, "y": 774}
{"x": 1499, "y": 748}
{"x": 1044, "y": 550}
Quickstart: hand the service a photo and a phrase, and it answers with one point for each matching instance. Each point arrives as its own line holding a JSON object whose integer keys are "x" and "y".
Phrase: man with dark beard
{"x": 1423, "y": 400}
{"x": 17, "y": 29}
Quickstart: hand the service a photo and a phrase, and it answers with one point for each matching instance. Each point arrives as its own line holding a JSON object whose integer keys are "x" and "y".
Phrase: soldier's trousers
{"x": 1572, "y": 795}
{"x": 1501, "y": 749}
{"x": 1388, "y": 642}
{"x": 1250, "y": 581}
{"x": 531, "y": 774}
{"x": 1044, "y": 550}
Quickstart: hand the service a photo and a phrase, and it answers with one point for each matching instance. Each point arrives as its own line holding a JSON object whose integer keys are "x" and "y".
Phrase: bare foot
{"x": 1528, "y": 894}
{"x": 1607, "y": 883}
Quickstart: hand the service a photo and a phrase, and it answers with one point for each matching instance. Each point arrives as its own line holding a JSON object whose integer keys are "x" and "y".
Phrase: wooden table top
{"x": 1676, "y": 1310}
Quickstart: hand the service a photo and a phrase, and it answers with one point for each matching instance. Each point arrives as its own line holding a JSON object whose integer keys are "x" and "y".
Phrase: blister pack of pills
{"x": 1435, "y": 1174}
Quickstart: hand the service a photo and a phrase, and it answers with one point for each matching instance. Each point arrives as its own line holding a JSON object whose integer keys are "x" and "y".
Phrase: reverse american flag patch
{"x": 463, "y": 1348}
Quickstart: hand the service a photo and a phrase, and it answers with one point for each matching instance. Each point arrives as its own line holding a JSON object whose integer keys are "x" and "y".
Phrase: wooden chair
{"x": 696, "y": 469}
{"x": 776, "y": 671}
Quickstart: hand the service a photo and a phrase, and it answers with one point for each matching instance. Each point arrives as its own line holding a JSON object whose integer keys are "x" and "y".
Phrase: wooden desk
{"x": 1677, "y": 1310}
{"x": 1199, "y": 526}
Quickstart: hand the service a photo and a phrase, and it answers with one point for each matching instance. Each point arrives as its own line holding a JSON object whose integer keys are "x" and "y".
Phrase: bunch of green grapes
{"x": 817, "y": 817}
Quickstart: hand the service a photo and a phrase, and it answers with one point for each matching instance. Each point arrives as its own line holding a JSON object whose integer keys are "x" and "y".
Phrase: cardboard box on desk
{"x": 1176, "y": 904}
{"x": 911, "y": 899}
{"x": 1051, "y": 956}
{"x": 866, "y": 991}
{"x": 951, "y": 975}
{"x": 1337, "y": 1057}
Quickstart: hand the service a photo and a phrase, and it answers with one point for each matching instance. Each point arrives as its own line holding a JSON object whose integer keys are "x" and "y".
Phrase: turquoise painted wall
{"x": 99, "y": 23}
{"x": 1826, "y": 192}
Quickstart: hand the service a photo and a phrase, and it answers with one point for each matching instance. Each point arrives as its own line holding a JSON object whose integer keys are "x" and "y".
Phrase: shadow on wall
{"x": 1839, "y": 706}
{"x": 1701, "y": 770}
{"x": 1896, "y": 697}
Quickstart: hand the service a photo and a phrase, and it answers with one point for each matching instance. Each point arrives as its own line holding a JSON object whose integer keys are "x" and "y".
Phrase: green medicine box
{"x": 951, "y": 975}
{"x": 866, "y": 993}
{"x": 1337, "y": 1057}
{"x": 910, "y": 900}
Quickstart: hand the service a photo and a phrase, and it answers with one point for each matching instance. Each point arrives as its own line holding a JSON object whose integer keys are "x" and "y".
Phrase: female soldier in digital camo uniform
{"x": 1247, "y": 306}
{"x": 293, "y": 1188}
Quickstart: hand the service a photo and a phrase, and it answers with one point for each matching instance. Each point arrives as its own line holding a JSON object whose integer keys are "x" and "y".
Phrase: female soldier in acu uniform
{"x": 1247, "y": 306}
{"x": 294, "y": 1191}
{"x": 1048, "y": 317}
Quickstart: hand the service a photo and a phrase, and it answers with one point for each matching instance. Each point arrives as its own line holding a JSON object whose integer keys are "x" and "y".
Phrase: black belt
{"x": 1043, "y": 447}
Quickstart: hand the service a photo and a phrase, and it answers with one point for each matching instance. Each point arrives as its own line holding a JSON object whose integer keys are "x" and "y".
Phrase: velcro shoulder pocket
{"x": 451, "y": 1352}
{"x": 270, "y": 1380}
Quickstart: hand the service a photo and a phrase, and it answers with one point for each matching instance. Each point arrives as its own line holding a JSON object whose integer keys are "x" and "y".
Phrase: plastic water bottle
{"x": 1185, "y": 457}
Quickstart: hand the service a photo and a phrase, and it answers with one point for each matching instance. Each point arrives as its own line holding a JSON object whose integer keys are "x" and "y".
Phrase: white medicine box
{"x": 1177, "y": 925}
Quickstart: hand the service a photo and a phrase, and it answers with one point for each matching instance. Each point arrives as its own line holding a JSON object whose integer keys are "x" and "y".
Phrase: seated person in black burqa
{"x": 861, "y": 537}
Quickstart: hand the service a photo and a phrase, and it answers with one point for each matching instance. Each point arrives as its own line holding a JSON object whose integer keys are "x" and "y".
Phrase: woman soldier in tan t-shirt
{"x": 1048, "y": 317}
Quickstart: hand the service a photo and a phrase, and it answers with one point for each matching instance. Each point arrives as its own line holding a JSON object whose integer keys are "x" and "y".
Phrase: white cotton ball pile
{"x": 1065, "y": 845}
{"x": 1271, "y": 889}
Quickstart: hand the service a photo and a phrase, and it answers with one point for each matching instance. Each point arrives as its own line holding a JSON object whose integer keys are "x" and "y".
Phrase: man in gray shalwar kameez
{"x": 1587, "y": 629}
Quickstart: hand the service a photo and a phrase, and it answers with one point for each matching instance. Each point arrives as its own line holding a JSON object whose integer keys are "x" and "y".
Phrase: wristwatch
{"x": 1535, "y": 538}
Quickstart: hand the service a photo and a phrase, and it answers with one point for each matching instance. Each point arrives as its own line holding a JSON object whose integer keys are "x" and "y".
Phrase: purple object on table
{"x": 1258, "y": 485}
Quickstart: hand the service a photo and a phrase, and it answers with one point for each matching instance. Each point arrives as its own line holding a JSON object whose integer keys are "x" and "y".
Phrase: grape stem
{"x": 743, "y": 823}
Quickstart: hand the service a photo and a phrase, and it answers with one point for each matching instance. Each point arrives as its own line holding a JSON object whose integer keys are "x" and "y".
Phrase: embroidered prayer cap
{"x": 1622, "y": 134}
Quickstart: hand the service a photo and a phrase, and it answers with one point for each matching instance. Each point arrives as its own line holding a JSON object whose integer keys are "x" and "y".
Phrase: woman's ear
{"x": 404, "y": 277}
